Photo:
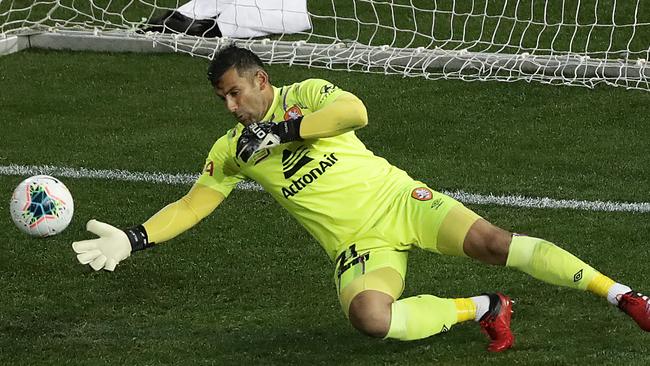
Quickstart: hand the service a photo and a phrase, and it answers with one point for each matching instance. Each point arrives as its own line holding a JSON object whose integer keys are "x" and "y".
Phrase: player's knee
{"x": 369, "y": 313}
{"x": 487, "y": 243}
{"x": 498, "y": 242}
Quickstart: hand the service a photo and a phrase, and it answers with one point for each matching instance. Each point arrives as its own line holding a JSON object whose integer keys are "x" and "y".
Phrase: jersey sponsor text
{"x": 297, "y": 185}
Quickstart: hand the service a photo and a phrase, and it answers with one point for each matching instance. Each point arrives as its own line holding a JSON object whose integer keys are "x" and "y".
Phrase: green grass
{"x": 248, "y": 285}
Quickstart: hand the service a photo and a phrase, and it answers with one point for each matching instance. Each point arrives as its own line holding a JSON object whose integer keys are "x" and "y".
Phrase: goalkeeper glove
{"x": 265, "y": 135}
{"x": 112, "y": 246}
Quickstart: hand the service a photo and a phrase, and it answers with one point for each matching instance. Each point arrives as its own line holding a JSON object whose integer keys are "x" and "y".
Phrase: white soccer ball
{"x": 41, "y": 206}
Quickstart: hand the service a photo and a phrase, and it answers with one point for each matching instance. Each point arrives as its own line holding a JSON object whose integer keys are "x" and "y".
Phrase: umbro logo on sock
{"x": 578, "y": 276}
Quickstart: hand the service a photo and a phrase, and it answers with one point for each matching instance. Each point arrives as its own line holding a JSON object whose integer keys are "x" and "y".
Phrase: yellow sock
{"x": 549, "y": 263}
{"x": 421, "y": 316}
{"x": 600, "y": 285}
{"x": 465, "y": 309}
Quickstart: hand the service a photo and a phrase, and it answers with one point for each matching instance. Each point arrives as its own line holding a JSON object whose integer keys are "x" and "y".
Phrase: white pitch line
{"x": 546, "y": 202}
{"x": 465, "y": 197}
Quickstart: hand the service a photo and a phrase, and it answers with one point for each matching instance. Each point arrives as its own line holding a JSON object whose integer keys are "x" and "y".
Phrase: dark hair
{"x": 241, "y": 59}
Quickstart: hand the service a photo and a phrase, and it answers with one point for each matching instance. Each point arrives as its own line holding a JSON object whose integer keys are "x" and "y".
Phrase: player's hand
{"x": 105, "y": 252}
{"x": 255, "y": 137}
{"x": 265, "y": 135}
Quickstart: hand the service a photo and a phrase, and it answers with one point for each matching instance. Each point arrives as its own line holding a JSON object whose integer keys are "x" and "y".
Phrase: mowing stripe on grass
{"x": 465, "y": 197}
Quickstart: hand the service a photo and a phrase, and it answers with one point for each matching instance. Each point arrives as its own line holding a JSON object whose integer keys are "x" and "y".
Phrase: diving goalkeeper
{"x": 298, "y": 142}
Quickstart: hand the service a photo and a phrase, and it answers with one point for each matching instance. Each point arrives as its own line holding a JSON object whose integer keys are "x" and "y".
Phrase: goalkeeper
{"x": 298, "y": 142}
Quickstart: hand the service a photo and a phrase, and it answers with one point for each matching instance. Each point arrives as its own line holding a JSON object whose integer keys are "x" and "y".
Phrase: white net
{"x": 573, "y": 42}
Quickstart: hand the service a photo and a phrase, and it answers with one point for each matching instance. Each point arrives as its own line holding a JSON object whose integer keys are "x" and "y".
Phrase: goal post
{"x": 570, "y": 42}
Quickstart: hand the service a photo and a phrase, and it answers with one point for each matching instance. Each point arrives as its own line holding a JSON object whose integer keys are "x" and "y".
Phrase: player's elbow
{"x": 360, "y": 115}
{"x": 363, "y": 115}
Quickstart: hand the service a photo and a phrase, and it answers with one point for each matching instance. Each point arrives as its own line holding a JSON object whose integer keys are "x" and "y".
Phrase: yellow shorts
{"x": 376, "y": 259}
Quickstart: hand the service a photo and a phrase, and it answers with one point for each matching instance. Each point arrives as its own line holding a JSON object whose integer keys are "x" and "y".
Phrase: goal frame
{"x": 382, "y": 59}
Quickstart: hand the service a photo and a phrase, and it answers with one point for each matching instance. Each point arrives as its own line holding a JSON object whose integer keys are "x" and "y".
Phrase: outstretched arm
{"x": 183, "y": 214}
{"x": 115, "y": 245}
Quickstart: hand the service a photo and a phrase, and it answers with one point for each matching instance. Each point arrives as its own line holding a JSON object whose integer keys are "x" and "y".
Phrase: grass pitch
{"x": 248, "y": 285}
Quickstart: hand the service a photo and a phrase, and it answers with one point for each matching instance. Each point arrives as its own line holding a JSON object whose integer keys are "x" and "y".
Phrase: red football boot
{"x": 637, "y": 306}
{"x": 496, "y": 323}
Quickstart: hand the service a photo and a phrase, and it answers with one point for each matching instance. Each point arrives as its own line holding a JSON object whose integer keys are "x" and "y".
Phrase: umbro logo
{"x": 577, "y": 276}
{"x": 327, "y": 89}
{"x": 292, "y": 161}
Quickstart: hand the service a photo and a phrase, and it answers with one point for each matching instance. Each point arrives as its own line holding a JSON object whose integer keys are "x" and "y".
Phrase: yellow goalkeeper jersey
{"x": 335, "y": 187}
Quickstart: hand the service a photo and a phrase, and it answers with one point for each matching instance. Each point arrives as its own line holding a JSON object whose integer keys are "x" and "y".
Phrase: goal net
{"x": 572, "y": 42}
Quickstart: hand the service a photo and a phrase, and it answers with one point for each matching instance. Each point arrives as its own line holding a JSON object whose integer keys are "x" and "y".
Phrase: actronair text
{"x": 297, "y": 185}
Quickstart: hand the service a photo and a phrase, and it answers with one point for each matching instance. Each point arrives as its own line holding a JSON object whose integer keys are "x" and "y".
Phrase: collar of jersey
{"x": 276, "y": 100}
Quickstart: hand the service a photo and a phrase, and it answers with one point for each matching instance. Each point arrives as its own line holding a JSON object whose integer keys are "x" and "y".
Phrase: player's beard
{"x": 248, "y": 117}
{"x": 244, "y": 118}
{"x": 254, "y": 111}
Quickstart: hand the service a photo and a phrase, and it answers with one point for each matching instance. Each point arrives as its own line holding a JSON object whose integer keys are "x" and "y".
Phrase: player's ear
{"x": 262, "y": 78}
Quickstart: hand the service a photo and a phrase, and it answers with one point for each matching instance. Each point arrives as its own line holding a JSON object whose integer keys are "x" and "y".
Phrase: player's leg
{"x": 377, "y": 314}
{"x": 536, "y": 257}
{"x": 420, "y": 217}
{"x": 549, "y": 263}
{"x": 445, "y": 226}
{"x": 370, "y": 282}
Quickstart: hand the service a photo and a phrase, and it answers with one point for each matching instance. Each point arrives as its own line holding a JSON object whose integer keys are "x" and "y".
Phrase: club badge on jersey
{"x": 293, "y": 113}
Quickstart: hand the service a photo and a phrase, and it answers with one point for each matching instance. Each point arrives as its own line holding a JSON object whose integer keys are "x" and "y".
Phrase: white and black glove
{"x": 112, "y": 246}
{"x": 265, "y": 135}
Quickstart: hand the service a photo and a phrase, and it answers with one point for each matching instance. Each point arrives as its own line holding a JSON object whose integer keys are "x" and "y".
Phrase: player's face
{"x": 244, "y": 94}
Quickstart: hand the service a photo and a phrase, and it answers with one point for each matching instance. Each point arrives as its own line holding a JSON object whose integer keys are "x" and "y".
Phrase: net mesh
{"x": 574, "y": 42}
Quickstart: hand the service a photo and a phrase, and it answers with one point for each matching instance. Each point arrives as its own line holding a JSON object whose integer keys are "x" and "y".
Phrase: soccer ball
{"x": 41, "y": 206}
